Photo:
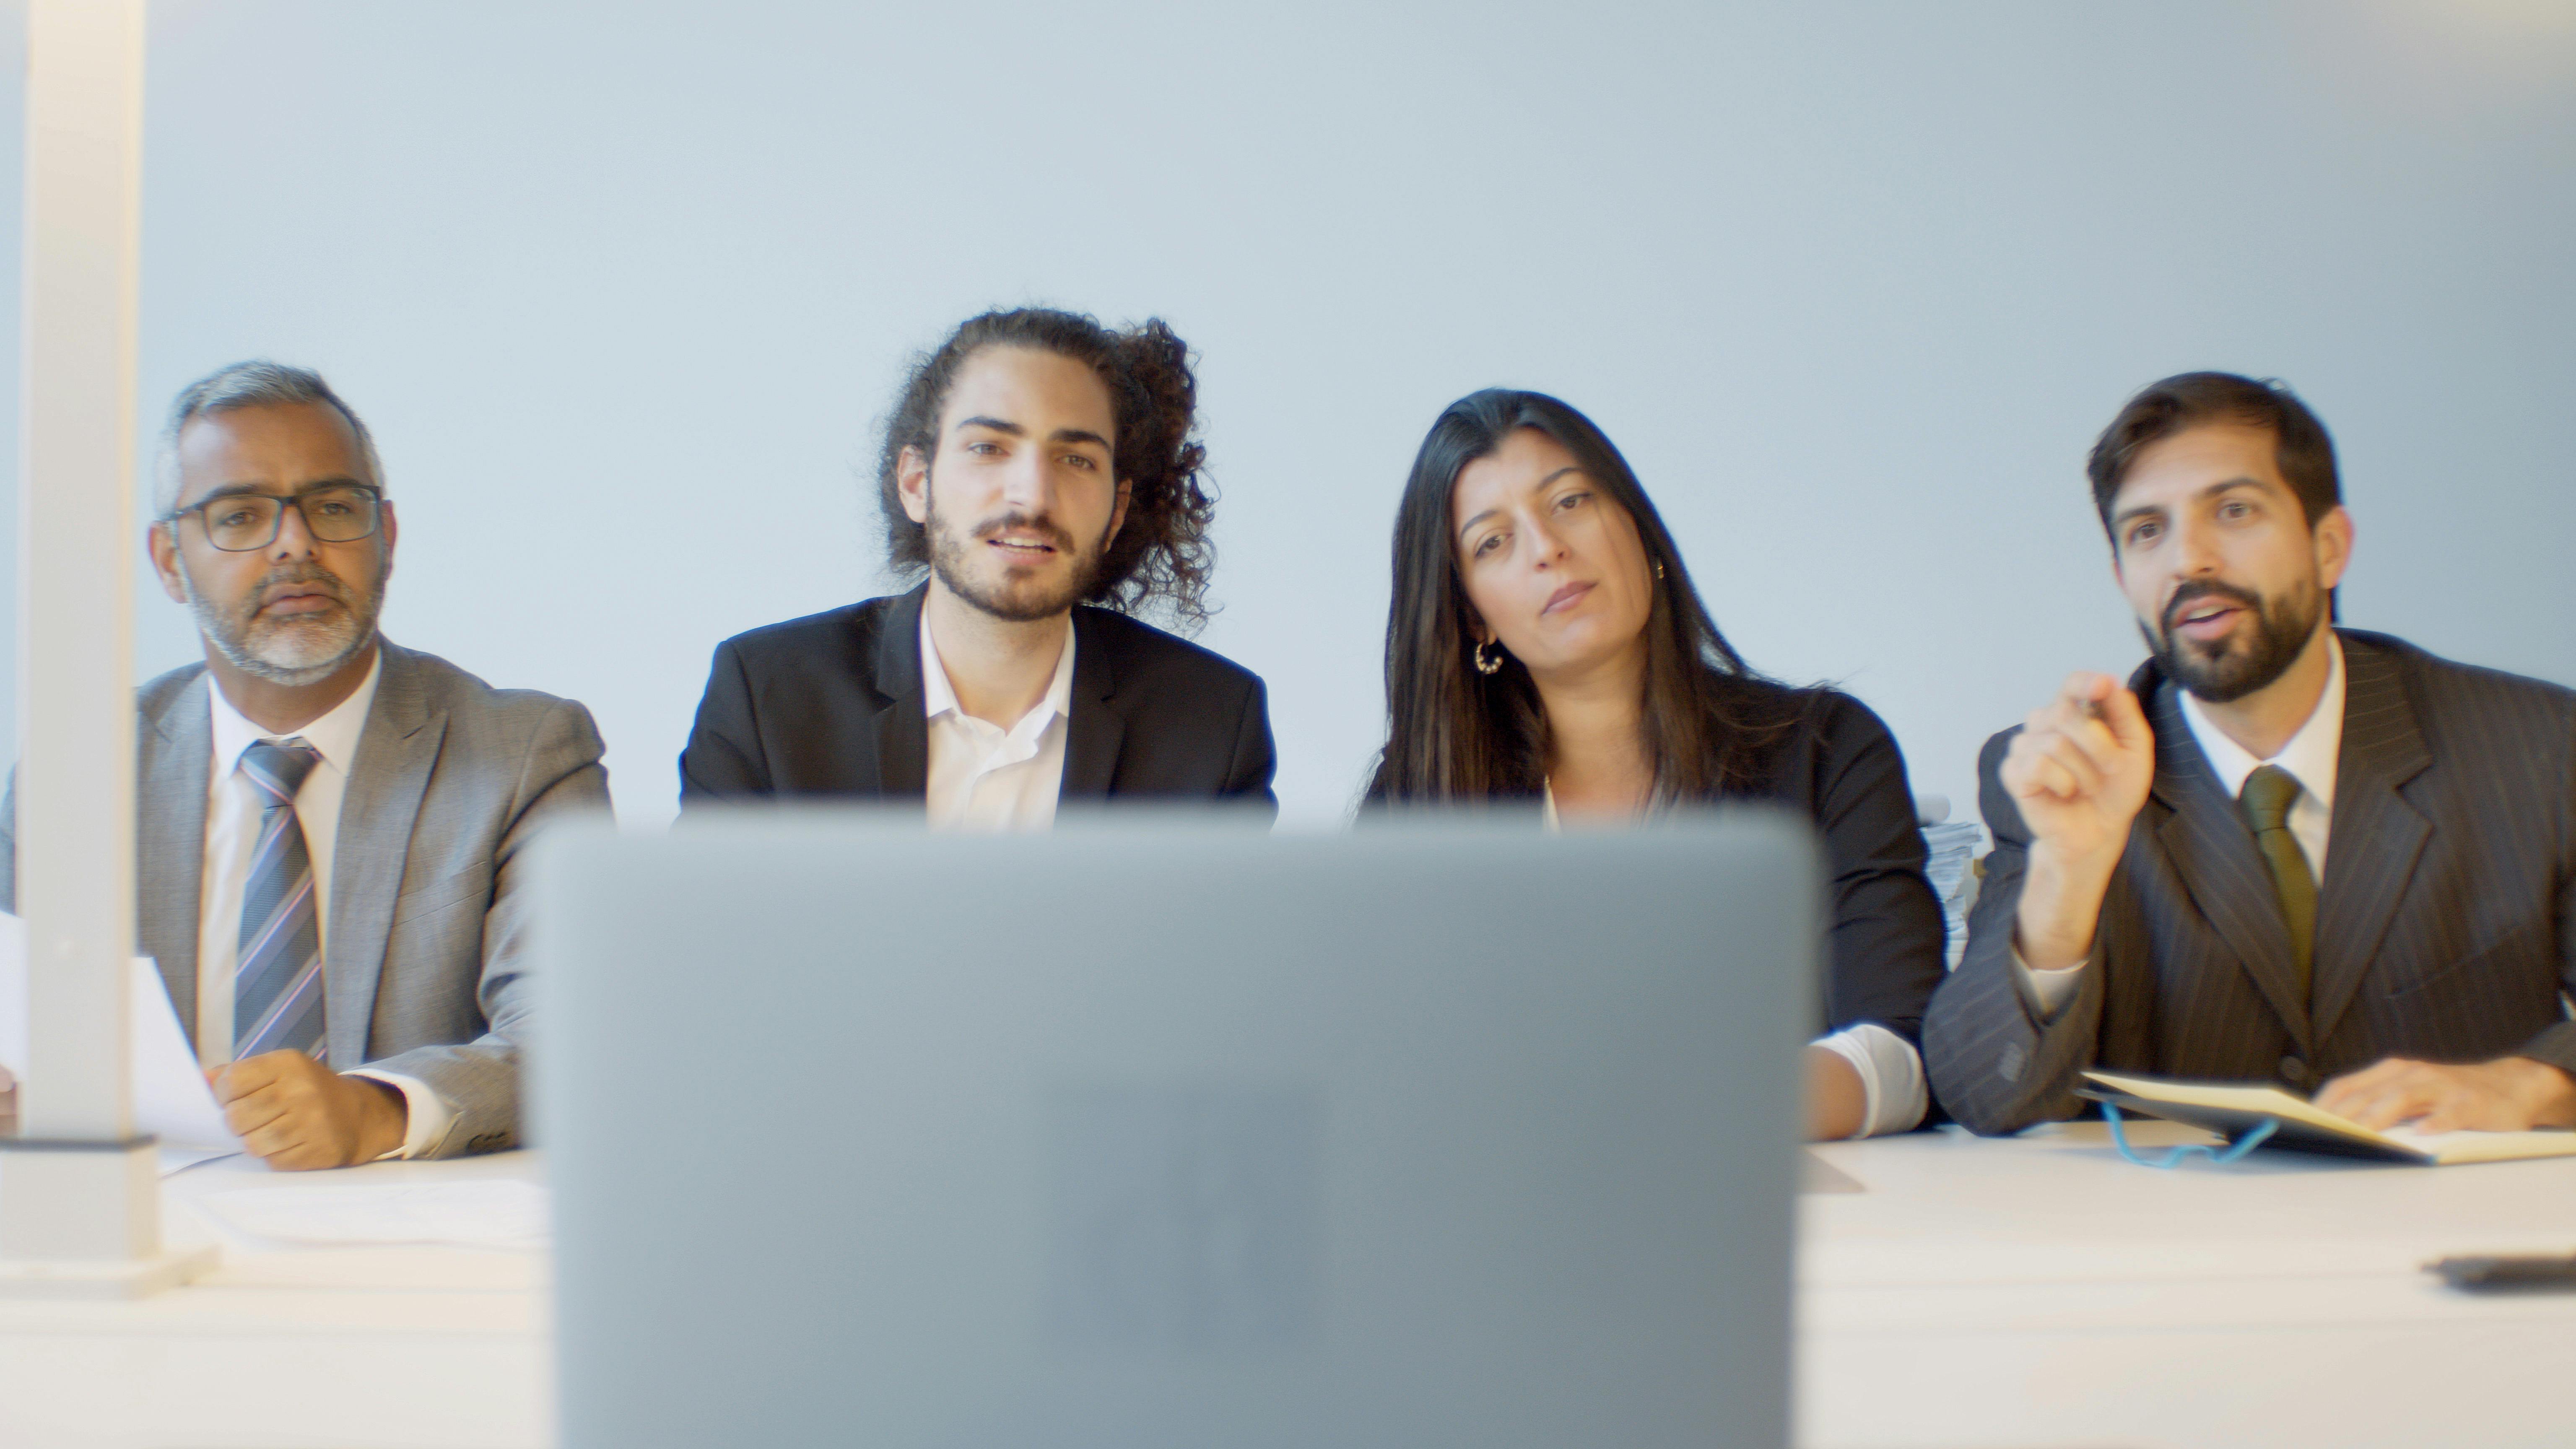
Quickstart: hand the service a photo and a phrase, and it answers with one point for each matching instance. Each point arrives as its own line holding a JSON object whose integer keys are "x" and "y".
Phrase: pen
{"x": 2538, "y": 1273}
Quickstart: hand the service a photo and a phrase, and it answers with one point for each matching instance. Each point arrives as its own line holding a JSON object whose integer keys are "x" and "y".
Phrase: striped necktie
{"x": 277, "y": 978}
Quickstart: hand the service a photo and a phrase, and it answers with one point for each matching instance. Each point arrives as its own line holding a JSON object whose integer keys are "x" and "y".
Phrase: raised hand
{"x": 2079, "y": 772}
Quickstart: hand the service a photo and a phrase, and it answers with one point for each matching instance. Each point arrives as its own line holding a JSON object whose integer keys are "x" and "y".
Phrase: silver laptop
{"x": 1167, "y": 1132}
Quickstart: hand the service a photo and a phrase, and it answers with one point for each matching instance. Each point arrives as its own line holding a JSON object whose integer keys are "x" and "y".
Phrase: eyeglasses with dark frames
{"x": 243, "y": 522}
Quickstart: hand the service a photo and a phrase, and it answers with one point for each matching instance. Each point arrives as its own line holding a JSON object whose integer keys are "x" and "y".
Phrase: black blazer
{"x": 2446, "y": 922}
{"x": 1885, "y": 939}
{"x": 831, "y": 706}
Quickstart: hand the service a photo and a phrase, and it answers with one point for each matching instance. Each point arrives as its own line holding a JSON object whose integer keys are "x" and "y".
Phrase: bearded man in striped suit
{"x": 2286, "y": 852}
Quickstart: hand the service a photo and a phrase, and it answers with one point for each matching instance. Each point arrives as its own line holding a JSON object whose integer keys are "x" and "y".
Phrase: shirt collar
{"x": 2309, "y": 757}
{"x": 334, "y": 736}
{"x": 939, "y": 697}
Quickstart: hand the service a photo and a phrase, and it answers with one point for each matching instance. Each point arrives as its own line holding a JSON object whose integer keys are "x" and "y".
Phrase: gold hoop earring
{"x": 1485, "y": 665}
{"x": 1659, "y": 568}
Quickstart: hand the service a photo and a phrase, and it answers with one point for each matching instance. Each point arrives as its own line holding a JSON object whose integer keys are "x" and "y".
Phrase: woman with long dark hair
{"x": 1545, "y": 645}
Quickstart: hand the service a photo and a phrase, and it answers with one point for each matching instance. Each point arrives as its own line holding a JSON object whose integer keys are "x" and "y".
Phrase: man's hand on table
{"x": 296, "y": 1114}
{"x": 2511, "y": 1094}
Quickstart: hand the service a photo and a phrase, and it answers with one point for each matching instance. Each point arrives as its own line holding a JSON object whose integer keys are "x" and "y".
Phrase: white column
{"x": 76, "y": 545}
{"x": 79, "y": 1205}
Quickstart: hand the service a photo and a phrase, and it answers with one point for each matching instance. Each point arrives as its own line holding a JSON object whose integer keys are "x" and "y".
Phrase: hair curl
{"x": 1162, "y": 551}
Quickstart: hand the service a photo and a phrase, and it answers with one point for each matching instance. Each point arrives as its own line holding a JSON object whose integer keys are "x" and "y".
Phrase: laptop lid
{"x": 1174, "y": 1133}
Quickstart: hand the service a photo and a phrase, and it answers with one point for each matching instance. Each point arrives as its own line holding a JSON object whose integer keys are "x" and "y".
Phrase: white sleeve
{"x": 2051, "y": 989}
{"x": 1891, "y": 1077}
{"x": 426, "y": 1120}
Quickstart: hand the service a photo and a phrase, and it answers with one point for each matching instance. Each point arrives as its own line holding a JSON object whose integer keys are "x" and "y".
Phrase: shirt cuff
{"x": 426, "y": 1120}
{"x": 2050, "y": 989}
{"x": 1893, "y": 1096}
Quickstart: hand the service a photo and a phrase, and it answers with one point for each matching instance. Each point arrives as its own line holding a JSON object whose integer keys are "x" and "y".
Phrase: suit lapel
{"x": 902, "y": 734}
{"x": 177, "y": 753}
{"x": 2213, "y": 854}
{"x": 1096, "y": 729}
{"x": 397, "y": 750}
{"x": 2374, "y": 835}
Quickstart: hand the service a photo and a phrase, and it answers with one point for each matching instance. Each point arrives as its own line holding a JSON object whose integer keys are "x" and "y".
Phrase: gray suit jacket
{"x": 425, "y": 967}
{"x": 2446, "y": 922}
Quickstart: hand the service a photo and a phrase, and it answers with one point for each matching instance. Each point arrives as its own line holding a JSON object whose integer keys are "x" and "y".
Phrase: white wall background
{"x": 622, "y": 288}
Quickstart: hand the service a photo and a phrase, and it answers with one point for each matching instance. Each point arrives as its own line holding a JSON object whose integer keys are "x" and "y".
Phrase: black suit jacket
{"x": 1836, "y": 764}
{"x": 2446, "y": 922}
{"x": 831, "y": 706}
{"x": 1885, "y": 940}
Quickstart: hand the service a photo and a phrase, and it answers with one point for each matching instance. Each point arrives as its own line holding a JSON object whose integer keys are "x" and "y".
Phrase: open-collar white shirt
{"x": 981, "y": 777}
{"x": 232, "y": 834}
{"x": 2310, "y": 757}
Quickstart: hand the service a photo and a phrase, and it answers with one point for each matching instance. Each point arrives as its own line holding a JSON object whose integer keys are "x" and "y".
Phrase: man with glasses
{"x": 331, "y": 826}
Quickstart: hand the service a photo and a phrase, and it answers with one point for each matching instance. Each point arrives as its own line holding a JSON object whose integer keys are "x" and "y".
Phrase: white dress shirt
{"x": 232, "y": 834}
{"x": 1893, "y": 1095}
{"x": 2309, "y": 757}
{"x": 986, "y": 779}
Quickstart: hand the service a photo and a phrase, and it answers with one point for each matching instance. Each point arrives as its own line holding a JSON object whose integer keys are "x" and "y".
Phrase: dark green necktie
{"x": 2269, "y": 792}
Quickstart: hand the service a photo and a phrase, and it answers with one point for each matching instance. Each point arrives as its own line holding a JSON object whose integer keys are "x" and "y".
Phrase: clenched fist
{"x": 295, "y": 1113}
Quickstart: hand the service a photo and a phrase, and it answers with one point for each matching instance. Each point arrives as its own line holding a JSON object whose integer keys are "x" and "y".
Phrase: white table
{"x": 2027, "y": 1294}
{"x": 2041, "y": 1292}
{"x": 421, "y": 1347}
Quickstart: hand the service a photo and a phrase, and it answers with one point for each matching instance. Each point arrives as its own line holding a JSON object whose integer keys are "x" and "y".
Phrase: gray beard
{"x": 292, "y": 654}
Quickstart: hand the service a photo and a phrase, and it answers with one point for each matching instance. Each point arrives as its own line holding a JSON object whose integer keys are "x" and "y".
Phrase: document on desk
{"x": 481, "y": 1213}
{"x": 2233, "y": 1110}
{"x": 171, "y": 1099}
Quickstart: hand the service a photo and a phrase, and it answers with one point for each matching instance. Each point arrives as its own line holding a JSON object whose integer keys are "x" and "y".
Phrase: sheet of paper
{"x": 1817, "y": 1175}
{"x": 481, "y": 1213}
{"x": 176, "y": 1160}
{"x": 171, "y": 1098}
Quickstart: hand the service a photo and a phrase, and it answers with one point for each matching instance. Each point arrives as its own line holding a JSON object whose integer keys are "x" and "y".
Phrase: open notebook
{"x": 2232, "y": 1111}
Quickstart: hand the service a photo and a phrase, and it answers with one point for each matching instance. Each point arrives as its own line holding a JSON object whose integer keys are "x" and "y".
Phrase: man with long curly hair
{"x": 1040, "y": 470}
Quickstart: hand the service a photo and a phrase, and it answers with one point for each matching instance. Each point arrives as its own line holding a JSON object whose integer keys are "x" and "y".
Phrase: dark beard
{"x": 2282, "y": 629}
{"x": 948, "y": 554}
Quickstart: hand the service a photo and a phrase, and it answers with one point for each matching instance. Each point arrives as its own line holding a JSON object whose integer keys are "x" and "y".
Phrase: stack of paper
{"x": 1953, "y": 844}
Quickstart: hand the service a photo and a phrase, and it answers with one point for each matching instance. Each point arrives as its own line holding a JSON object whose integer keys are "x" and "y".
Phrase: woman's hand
{"x": 1837, "y": 1103}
